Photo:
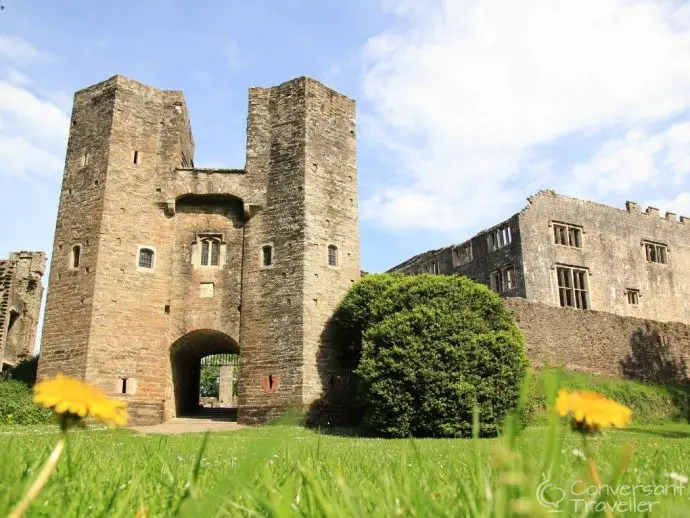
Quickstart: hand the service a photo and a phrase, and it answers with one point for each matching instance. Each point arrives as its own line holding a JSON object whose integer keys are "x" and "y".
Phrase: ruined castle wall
{"x": 477, "y": 259}
{"x": 24, "y": 305}
{"x": 331, "y": 220}
{"x": 613, "y": 252}
{"x": 6, "y": 278}
{"x": 598, "y": 342}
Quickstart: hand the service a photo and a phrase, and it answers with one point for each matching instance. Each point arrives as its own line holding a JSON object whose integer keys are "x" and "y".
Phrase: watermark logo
{"x": 622, "y": 498}
{"x": 550, "y": 496}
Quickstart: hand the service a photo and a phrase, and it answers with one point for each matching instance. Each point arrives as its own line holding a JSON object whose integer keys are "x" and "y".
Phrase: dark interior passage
{"x": 185, "y": 355}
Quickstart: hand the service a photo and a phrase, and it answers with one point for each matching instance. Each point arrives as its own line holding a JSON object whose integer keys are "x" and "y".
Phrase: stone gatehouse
{"x": 20, "y": 304}
{"x": 158, "y": 263}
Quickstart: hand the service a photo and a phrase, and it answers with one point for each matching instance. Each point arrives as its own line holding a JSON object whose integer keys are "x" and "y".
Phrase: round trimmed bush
{"x": 432, "y": 348}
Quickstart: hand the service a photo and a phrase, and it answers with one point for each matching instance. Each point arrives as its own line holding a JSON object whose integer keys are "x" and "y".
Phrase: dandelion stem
{"x": 42, "y": 478}
{"x": 593, "y": 470}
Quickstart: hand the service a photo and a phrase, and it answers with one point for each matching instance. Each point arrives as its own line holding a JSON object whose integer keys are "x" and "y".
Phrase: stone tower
{"x": 157, "y": 264}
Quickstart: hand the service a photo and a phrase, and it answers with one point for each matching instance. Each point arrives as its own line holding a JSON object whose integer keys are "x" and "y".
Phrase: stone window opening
{"x": 126, "y": 385}
{"x": 146, "y": 258}
{"x": 509, "y": 275}
{"x": 210, "y": 252}
{"x": 135, "y": 158}
{"x": 85, "y": 160}
{"x": 75, "y": 257}
{"x": 462, "y": 254}
{"x": 503, "y": 279}
{"x": 267, "y": 255}
{"x": 656, "y": 253}
{"x": 499, "y": 238}
{"x": 567, "y": 235}
{"x": 270, "y": 383}
{"x": 496, "y": 281}
{"x": 572, "y": 287}
{"x": 332, "y": 255}
{"x": 633, "y": 296}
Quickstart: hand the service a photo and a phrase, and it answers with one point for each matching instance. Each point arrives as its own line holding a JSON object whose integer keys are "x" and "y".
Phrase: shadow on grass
{"x": 669, "y": 433}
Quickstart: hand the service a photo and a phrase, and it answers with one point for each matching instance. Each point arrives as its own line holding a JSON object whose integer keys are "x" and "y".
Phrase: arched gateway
{"x": 177, "y": 262}
{"x": 185, "y": 365}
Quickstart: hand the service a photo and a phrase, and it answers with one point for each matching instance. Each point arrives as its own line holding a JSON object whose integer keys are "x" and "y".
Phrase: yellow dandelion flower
{"x": 73, "y": 398}
{"x": 591, "y": 411}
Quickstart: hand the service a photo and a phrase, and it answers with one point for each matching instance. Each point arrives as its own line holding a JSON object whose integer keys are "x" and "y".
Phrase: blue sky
{"x": 465, "y": 107}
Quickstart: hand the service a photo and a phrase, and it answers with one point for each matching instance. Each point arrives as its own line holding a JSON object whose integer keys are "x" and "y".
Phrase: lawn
{"x": 285, "y": 470}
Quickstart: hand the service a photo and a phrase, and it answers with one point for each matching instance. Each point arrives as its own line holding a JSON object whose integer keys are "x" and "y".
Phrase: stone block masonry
{"x": 157, "y": 263}
{"x": 563, "y": 251}
{"x": 598, "y": 342}
{"x": 21, "y": 292}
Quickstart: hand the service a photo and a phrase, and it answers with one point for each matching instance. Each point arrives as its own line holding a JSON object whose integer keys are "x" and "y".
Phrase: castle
{"x": 567, "y": 252}
{"x": 157, "y": 263}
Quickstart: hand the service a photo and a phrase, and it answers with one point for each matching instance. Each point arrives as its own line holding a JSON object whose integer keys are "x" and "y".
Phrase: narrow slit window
{"x": 146, "y": 258}
{"x": 85, "y": 160}
{"x": 332, "y": 255}
{"x": 76, "y": 256}
{"x": 267, "y": 252}
{"x": 124, "y": 385}
{"x": 135, "y": 158}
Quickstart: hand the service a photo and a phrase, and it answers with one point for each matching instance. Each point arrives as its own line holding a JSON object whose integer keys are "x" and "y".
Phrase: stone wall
{"x": 603, "y": 343}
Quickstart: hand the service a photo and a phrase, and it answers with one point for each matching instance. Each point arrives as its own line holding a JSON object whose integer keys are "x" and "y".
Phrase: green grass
{"x": 651, "y": 403}
{"x": 292, "y": 471}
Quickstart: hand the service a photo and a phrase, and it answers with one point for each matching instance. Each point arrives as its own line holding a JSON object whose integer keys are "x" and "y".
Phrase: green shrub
{"x": 432, "y": 347}
{"x": 17, "y": 407}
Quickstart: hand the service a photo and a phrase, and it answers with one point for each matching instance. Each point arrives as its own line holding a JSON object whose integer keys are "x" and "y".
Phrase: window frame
{"x": 571, "y": 294}
{"x": 154, "y": 256}
{"x": 633, "y": 296}
{"x": 565, "y": 234}
{"x": 500, "y": 237}
{"x": 79, "y": 248}
{"x": 652, "y": 249}
{"x": 334, "y": 249}
{"x": 262, "y": 255}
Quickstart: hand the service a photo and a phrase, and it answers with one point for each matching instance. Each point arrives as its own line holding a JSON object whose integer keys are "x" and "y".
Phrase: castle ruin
{"x": 566, "y": 252}
{"x": 20, "y": 304}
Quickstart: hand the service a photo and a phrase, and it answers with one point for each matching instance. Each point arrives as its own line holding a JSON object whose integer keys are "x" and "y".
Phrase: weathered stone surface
{"x": 21, "y": 291}
{"x": 598, "y": 342}
{"x": 130, "y": 184}
{"x": 612, "y": 252}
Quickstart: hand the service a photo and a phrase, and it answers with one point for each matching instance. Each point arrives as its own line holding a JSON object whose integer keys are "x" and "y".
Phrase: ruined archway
{"x": 185, "y": 358}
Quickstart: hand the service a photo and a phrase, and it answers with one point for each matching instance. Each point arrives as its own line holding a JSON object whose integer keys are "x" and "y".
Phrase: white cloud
{"x": 33, "y": 128}
{"x": 464, "y": 91}
{"x": 16, "y": 49}
{"x": 636, "y": 160}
